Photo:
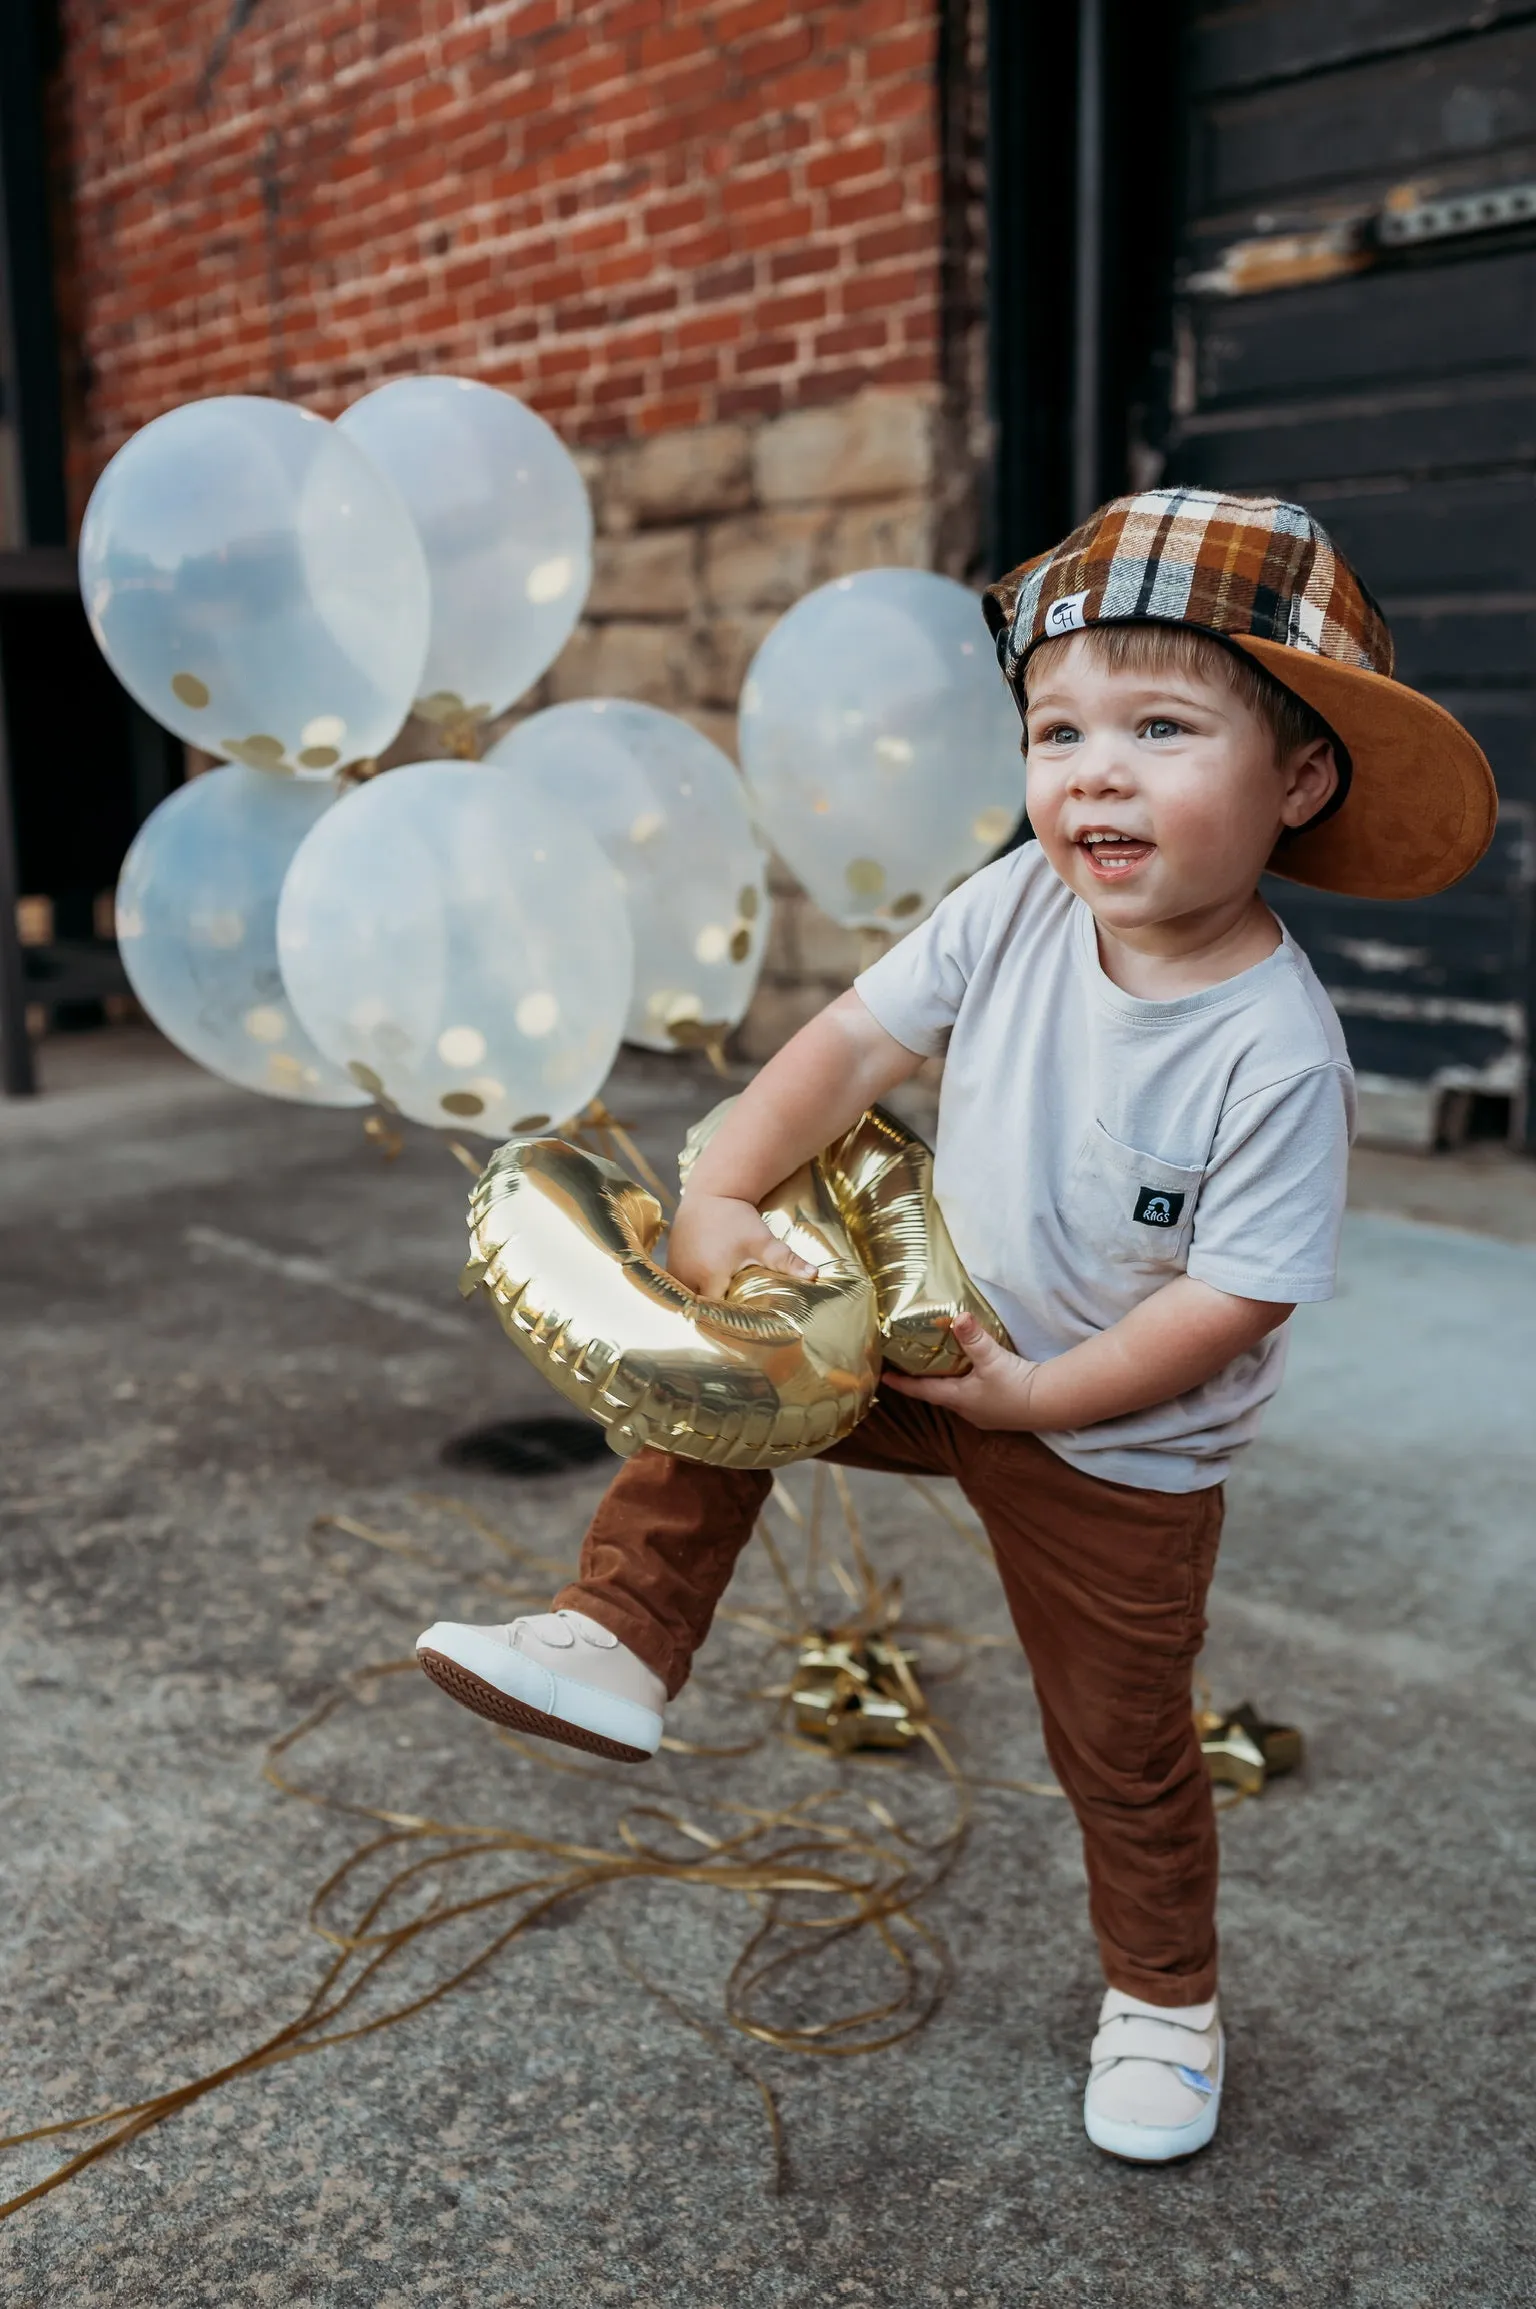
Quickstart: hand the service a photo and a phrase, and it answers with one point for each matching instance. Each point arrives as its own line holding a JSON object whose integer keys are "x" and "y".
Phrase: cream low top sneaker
{"x": 558, "y": 1674}
{"x": 1154, "y": 2087}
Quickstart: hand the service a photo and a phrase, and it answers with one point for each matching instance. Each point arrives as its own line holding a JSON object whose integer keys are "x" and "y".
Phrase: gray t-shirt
{"x": 1092, "y": 1146}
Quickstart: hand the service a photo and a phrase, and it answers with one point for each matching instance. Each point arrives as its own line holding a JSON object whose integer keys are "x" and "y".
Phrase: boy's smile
{"x": 1112, "y": 856}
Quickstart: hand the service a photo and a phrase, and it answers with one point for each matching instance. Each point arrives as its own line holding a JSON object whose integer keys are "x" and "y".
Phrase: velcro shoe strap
{"x": 1131, "y": 2037}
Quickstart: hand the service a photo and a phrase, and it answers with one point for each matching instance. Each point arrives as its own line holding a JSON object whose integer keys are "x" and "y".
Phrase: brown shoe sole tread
{"x": 484, "y": 1700}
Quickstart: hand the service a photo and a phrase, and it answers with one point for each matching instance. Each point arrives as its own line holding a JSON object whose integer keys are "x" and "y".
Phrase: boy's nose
{"x": 1100, "y": 767}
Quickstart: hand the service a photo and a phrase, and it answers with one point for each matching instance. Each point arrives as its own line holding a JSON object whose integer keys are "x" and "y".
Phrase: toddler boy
{"x": 1143, "y": 1132}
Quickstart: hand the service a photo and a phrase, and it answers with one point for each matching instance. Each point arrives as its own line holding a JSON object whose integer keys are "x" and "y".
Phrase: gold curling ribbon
{"x": 813, "y": 1874}
{"x": 380, "y": 1132}
{"x": 563, "y": 1244}
{"x": 610, "y": 1132}
{"x": 815, "y": 1878}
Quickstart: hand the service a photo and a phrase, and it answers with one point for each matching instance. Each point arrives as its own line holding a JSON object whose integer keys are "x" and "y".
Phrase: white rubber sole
{"x": 1158, "y": 2144}
{"x": 507, "y": 1687}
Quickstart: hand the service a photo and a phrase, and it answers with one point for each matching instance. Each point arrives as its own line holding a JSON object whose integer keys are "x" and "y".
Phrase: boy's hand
{"x": 1177, "y": 1339}
{"x": 996, "y": 1390}
{"x": 714, "y": 1237}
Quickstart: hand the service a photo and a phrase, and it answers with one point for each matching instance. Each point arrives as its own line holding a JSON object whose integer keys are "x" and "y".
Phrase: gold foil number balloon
{"x": 777, "y": 1370}
{"x": 882, "y": 1177}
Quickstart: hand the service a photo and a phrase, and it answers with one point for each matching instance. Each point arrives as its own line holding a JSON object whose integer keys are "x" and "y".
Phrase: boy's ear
{"x": 1311, "y": 781}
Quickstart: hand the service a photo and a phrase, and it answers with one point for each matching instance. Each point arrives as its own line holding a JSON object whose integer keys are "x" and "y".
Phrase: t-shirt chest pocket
{"x": 1132, "y": 1207}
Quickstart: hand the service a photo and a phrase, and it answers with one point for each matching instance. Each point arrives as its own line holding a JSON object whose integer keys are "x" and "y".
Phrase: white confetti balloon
{"x": 197, "y": 927}
{"x": 670, "y": 810}
{"x": 459, "y": 944}
{"x": 880, "y": 744}
{"x": 257, "y": 584}
{"x": 505, "y": 519}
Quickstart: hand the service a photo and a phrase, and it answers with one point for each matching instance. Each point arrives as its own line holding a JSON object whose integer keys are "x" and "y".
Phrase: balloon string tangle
{"x": 833, "y": 1867}
{"x": 613, "y": 1139}
{"x": 594, "y": 1127}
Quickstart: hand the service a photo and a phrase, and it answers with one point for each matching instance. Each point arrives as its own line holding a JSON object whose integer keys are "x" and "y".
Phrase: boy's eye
{"x": 1058, "y": 734}
{"x": 1161, "y": 726}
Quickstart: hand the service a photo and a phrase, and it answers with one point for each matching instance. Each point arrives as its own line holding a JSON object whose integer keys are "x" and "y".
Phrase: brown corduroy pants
{"x": 1107, "y": 1588}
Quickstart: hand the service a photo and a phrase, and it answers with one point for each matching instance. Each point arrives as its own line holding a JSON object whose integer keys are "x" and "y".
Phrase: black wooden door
{"x": 1355, "y": 326}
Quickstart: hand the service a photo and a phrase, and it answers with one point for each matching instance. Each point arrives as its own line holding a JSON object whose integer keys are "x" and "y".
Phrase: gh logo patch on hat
{"x": 1155, "y": 1207}
{"x": 1065, "y": 615}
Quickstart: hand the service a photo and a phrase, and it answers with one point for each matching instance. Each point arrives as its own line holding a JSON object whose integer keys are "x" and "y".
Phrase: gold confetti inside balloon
{"x": 196, "y": 916}
{"x": 257, "y": 584}
{"x": 426, "y": 944}
{"x": 505, "y": 522}
{"x": 668, "y": 807}
{"x": 563, "y": 1244}
{"x": 879, "y": 746}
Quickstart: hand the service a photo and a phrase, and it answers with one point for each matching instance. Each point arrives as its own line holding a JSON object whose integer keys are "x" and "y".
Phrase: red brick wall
{"x": 638, "y": 214}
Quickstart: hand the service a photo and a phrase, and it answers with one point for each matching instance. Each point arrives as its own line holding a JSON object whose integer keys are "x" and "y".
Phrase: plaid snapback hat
{"x": 1235, "y": 565}
{"x": 1264, "y": 577}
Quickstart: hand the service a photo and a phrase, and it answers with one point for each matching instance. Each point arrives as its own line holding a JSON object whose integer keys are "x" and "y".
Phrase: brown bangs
{"x": 1135, "y": 646}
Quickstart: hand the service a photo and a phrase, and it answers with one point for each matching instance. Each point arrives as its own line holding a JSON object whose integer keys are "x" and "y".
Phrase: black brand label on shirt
{"x": 1155, "y": 1207}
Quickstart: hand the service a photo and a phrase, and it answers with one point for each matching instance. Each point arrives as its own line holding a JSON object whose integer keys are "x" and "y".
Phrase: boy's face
{"x": 1157, "y": 796}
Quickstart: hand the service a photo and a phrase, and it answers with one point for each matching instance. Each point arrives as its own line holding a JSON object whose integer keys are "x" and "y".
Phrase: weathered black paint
{"x": 1033, "y": 59}
{"x": 1373, "y": 120}
{"x": 1400, "y": 403}
{"x": 29, "y": 357}
{"x": 1237, "y": 47}
{"x": 85, "y": 764}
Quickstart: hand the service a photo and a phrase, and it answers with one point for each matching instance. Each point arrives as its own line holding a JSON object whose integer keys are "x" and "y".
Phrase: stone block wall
{"x": 705, "y": 538}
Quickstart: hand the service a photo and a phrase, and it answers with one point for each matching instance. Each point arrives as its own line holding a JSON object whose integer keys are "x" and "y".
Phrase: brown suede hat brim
{"x": 1422, "y": 803}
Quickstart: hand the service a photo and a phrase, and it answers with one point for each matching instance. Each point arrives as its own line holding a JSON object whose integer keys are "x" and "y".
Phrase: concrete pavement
{"x": 226, "y": 1318}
